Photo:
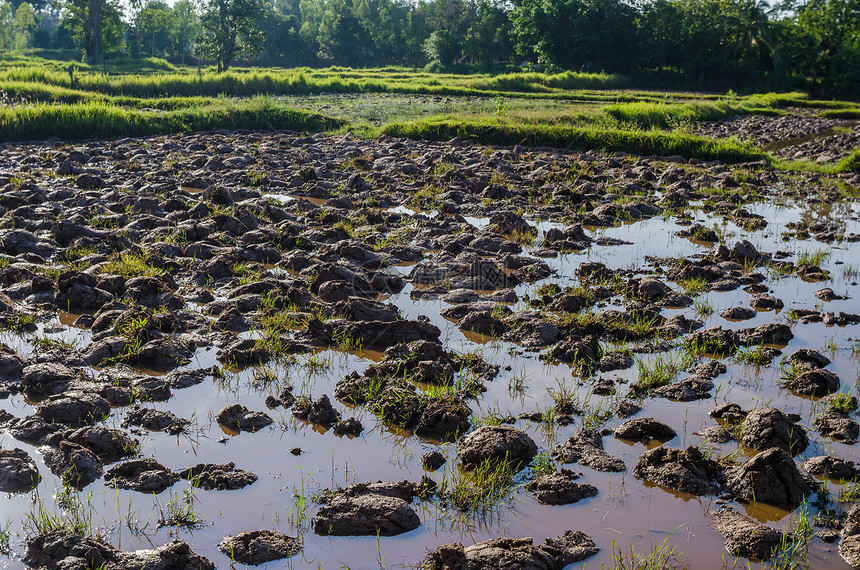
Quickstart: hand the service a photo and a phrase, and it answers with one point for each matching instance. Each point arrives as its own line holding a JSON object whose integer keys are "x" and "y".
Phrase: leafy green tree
{"x": 25, "y": 21}
{"x": 696, "y": 37}
{"x": 311, "y": 15}
{"x": 96, "y": 26}
{"x": 489, "y": 37}
{"x": 341, "y": 36}
{"x": 230, "y": 28}
{"x": 452, "y": 20}
{"x": 442, "y": 48}
{"x": 135, "y": 11}
{"x": 835, "y": 25}
{"x": 384, "y": 22}
{"x": 186, "y": 27}
{"x": 156, "y": 27}
{"x": 749, "y": 33}
{"x": 452, "y": 16}
{"x": 6, "y": 26}
{"x": 576, "y": 34}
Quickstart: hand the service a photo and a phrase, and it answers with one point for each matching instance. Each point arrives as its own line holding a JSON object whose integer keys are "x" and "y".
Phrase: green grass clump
{"x": 650, "y": 115}
{"x": 842, "y": 402}
{"x": 663, "y": 370}
{"x": 74, "y": 516}
{"x": 815, "y": 257}
{"x": 541, "y": 82}
{"x": 695, "y": 285}
{"x": 658, "y": 557}
{"x": 157, "y": 78}
{"x": 850, "y": 163}
{"x": 481, "y": 490}
{"x": 793, "y": 99}
{"x": 851, "y": 113}
{"x": 97, "y": 119}
{"x": 179, "y": 510}
{"x": 605, "y": 139}
{"x": 130, "y": 264}
{"x": 757, "y": 356}
{"x": 5, "y": 539}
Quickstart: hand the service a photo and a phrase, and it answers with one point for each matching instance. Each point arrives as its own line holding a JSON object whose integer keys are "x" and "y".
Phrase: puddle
{"x": 282, "y": 198}
{"x": 779, "y": 145}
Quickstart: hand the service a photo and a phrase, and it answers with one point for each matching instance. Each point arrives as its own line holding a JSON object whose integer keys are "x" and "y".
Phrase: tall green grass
{"x": 540, "y": 82}
{"x": 642, "y": 142}
{"x": 95, "y": 120}
{"x": 155, "y": 97}
{"x": 850, "y": 163}
{"x": 794, "y": 99}
{"x": 301, "y": 81}
{"x": 648, "y": 115}
{"x": 846, "y": 113}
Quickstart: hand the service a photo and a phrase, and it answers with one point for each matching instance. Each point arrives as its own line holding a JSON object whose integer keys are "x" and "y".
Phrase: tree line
{"x": 701, "y": 43}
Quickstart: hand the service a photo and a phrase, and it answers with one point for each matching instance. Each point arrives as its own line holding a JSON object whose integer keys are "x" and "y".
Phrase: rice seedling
{"x": 848, "y": 493}
{"x": 6, "y": 539}
{"x": 45, "y": 344}
{"x": 564, "y": 399}
{"x": 542, "y": 464}
{"x": 842, "y": 402}
{"x": 703, "y": 308}
{"x": 481, "y": 490}
{"x": 757, "y": 356}
{"x": 130, "y": 264}
{"x": 660, "y": 371}
{"x": 74, "y": 516}
{"x": 792, "y": 549}
{"x": 179, "y": 510}
{"x": 660, "y": 556}
{"x": 816, "y": 257}
{"x": 695, "y": 285}
{"x": 18, "y": 322}
{"x": 851, "y": 271}
{"x": 298, "y": 514}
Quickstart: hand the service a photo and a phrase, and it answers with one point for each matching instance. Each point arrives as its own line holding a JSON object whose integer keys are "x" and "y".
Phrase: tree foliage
{"x": 229, "y": 29}
{"x": 6, "y": 26}
{"x": 576, "y": 34}
{"x": 709, "y": 44}
{"x": 25, "y": 21}
{"x": 96, "y": 26}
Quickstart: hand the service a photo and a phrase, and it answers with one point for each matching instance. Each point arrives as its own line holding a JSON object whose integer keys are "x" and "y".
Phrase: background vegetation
{"x": 746, "y": 45}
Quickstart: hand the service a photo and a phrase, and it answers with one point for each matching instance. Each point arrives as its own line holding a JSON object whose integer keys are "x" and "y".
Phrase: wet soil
{"x": 799, "y": 134}
{"x": 257, "y": 290}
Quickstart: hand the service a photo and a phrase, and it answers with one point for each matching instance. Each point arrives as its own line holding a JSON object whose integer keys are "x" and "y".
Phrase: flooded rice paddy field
{"x": 216, "y": 334}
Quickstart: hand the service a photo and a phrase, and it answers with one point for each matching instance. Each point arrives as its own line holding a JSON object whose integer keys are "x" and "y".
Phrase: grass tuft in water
{"x": 179, "y": 510}
{"x": 74, "y": 515}
{"x": 661, "y": 371}
{"x": 6, "y": 539}
{"x": 482, "y": 490}
{"x": 659, "y": 557}
{"x": 815, "y": 258}
{"x": 850, "y": 163}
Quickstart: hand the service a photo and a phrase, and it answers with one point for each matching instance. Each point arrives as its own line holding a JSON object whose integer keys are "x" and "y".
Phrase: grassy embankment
{"x": 98, "y": 119}
{"x": 606, "y": 139}
{"x": 568, "y": 110}
{"x": 850, "y": 163}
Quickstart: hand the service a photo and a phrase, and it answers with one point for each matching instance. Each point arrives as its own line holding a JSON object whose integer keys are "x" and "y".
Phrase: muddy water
{"x": 779, "y": 145}
{"x": 627, "y": 512}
